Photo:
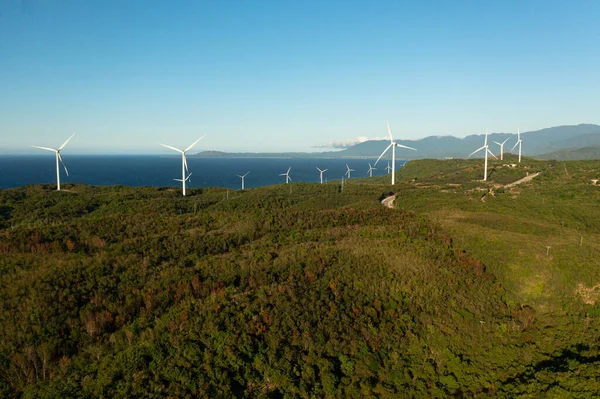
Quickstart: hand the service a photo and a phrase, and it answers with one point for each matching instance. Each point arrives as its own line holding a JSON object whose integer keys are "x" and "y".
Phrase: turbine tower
{"x": 502, "y": 148}
{"x": 348, "y": 170}
{"x": 58, "y": 159}
{"x": 287, "y": 175}
{"x": 518, "y": 143}
{"x": 487, "y": 150}
{"x": 184, "y": 166}
{"x": 393, "y": 145}
{"x": 321, "y": 174}
{"x": 242, "y": 177}
{"x": 371, "y": 169}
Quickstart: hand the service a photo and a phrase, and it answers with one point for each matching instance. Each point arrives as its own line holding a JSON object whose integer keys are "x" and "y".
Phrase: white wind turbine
{"x": 58, "y": 159}
{"x": 321, "y": 174}
{"x": 348, "y": 170}
{"x": 371, "y": 169}
{"x": 184, "y": 166}
{"x": 388, "y": 168}
{"x": 518, "y": 143}
{"x": 487, "y": 150}
{"x": 393, "y": 145}
{"x": 287, "y": 175}
{"x": 502, "y": 148}
{"x": 242, "y": 177}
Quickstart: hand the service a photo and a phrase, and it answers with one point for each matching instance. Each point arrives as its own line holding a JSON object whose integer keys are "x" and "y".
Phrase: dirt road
{"x": 523, "y": 180}
{"x": 389, "y": 202}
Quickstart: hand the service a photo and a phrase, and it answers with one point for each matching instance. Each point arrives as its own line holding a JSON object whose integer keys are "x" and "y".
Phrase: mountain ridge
{"x": 534, "y": 143}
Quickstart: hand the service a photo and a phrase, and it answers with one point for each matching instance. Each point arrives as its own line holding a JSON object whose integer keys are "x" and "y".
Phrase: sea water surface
{"x": 154, "y": 170}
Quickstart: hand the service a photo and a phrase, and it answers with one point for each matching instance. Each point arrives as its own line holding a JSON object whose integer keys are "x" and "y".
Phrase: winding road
{"x": 389, "y": 202}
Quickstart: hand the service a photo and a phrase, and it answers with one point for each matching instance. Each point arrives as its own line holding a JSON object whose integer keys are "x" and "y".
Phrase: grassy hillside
{"x": 574, "y": 154}
{"x": 305, "y": 290}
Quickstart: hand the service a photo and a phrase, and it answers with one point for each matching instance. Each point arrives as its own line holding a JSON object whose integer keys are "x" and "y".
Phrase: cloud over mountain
{"x": 347, "y": 143}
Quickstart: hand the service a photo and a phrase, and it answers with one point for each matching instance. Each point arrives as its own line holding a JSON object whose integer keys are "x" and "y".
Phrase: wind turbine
{"x": 348, "y": 170}
{"x": 184, "y": 166}
{"x": 184, "y": 180}
{"x": 243, "y": 176}
{"x": 518, "y": 143}
{"x": 287, "y": 175}
{"x": 321, "y": 174}
{"x": 487, "y": 150}
{"x": 58, "y": 159}
{"x": 393, "y": 145}
{"x": 388, "y": 168}
{"x": 371, "y": 169}
{"x": 502, "y": 148}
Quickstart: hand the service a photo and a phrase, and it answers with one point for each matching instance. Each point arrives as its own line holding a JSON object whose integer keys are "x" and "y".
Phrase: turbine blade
{"x": 505, "y": 141}
{"x": 193, "y": 144}
{"x": 319, "y": 170}
{"x": 477, "y": 150}
{"x": 497, "y": 143}
{"x": 170, "y": 147}
{"x": 389, "y": 131}
{"x": 515, "y": 146}
{"x": 491, "y": 153}
{"x": 384, "y": 151}
{"x": 44, "y": 148}
{"x": 185, "y": 162}
{"x": 247, "y": 173}
{"x": 403, "y": 146}
{"x": 325, "y": 170}
{"x": 65, "y": 143}
{"x": 63, "y": 162}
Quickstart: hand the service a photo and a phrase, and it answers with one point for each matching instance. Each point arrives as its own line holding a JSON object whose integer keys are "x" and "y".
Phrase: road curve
{"x": 389, "y": 202}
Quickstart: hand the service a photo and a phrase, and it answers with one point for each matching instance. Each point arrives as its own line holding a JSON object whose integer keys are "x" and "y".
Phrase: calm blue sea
{"x": 136, "y": 170}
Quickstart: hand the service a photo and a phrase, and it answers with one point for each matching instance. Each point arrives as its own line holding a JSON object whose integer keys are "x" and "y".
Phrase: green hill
{"x": 574, "y": 154}
{"x": 307, "y": 290}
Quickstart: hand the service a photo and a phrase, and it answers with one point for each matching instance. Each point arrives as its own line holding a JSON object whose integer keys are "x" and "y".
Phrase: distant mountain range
{"x": 560, "y": 142}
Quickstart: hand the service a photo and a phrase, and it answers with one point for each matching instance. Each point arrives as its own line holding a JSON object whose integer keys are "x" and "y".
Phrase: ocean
{"x": 154, "y": 170}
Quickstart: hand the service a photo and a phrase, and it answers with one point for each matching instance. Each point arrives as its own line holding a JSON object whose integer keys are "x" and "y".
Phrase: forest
{"x": 466, "y": 289}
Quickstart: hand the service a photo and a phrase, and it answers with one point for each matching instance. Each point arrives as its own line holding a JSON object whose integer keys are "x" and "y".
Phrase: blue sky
{"x": 289, "y": 75}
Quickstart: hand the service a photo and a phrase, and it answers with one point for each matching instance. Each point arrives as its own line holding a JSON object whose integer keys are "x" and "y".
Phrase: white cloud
{"x": 348, "y": 143}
